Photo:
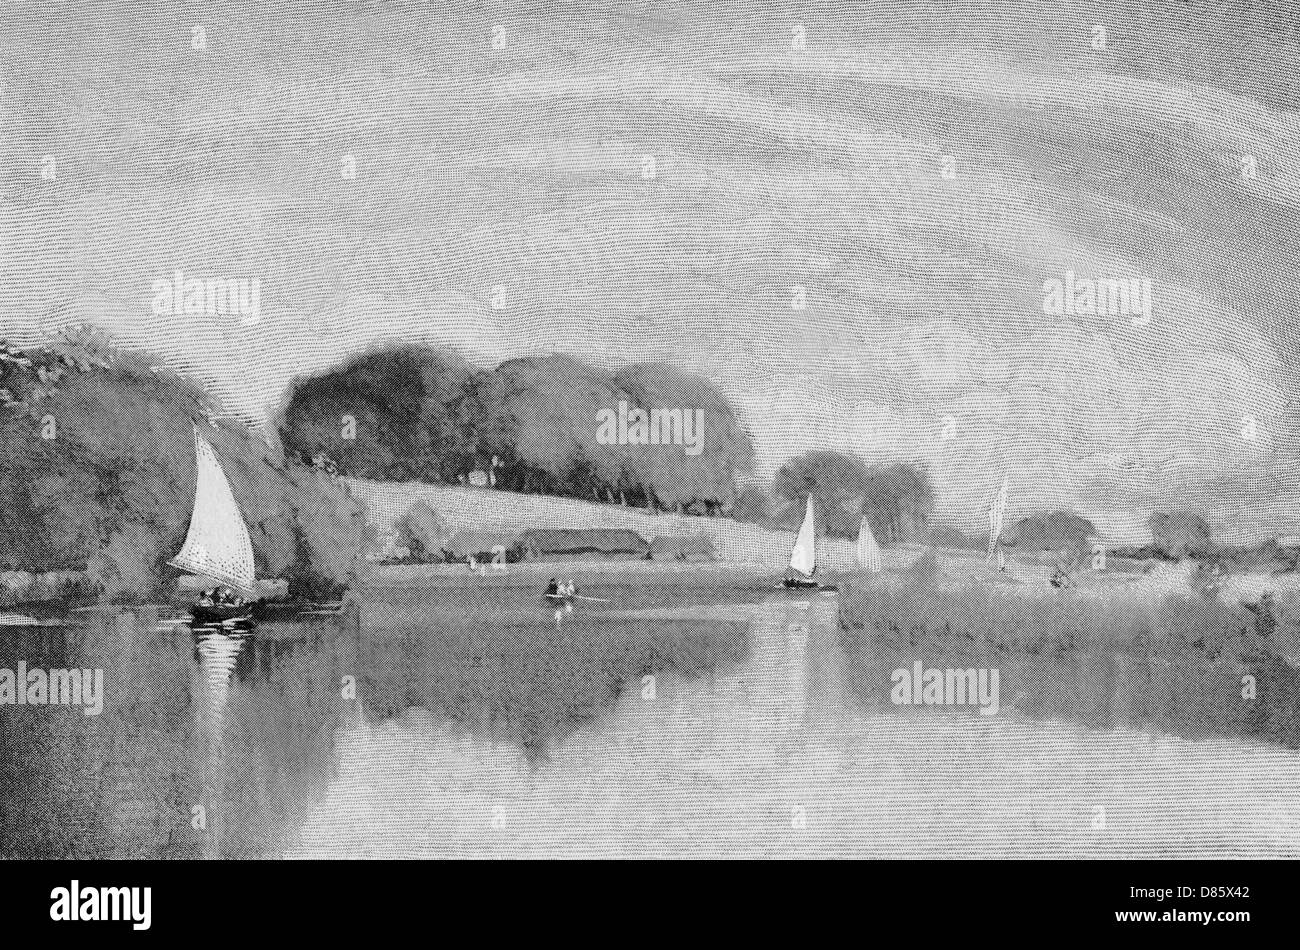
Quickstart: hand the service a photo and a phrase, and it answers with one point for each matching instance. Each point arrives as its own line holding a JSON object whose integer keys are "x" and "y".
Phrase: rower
{"x": 553, "y": 588}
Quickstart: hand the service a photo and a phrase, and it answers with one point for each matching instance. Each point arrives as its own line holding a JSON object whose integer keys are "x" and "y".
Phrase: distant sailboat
{"x": 217, "y": 545}
{"x": 997, "y": 510}
{"x": 803, "y": 559}
{"x": 868, "y": 549}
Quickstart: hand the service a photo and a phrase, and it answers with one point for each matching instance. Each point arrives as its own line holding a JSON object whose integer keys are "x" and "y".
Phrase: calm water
{"x": 663, "y": 723}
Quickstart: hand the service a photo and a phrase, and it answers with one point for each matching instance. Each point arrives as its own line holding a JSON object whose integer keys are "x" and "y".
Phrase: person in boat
{"x": 569, "y": 589}
{"x": 795, "y": 579}
{"x": 226, "y": 597}
{"x": 553, "y": 588}
{"x": 208, "y": 598}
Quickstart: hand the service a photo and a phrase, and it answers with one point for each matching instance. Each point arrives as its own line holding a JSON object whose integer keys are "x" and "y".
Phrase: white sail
{"x": 804, "y": 556}
{"x": 868, "y": 549}
{"x": 996, "y": 512}
{"x": 217, "y": 545}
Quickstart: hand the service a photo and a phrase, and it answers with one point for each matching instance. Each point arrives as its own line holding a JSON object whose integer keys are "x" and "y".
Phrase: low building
{"x": 584, "y": 544}
{"x": 697, "y": 547}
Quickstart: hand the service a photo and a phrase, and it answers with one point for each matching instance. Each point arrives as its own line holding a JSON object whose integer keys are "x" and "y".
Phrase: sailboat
{"x": 803, "y": 559}
{"x": 217, "y": 545}
{"x": 868, "y": 549}
{"x": 997, "y": 511}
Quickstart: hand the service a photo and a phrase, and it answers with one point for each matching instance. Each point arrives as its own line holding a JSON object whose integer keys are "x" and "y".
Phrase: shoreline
{"x": 525, "y": 574}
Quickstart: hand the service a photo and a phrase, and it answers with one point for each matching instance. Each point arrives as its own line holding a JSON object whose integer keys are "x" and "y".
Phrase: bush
{"x": 112, "y": 492}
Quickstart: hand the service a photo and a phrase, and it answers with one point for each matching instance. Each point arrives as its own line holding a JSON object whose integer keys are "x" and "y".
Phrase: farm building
{"x": 698, "y": 547}
{"x": 567, "y": 544}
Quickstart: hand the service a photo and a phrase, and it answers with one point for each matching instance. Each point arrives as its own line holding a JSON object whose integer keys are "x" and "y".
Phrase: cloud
{"x": 525, "y": 169}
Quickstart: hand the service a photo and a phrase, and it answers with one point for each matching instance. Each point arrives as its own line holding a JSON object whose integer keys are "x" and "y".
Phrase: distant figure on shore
{"x": 1265, "y": 619}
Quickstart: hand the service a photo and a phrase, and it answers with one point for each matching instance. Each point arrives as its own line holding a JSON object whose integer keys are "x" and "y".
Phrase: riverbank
{"x": 1197, "y": 664}
{"x": 535, "y": 574}
{"x": 19, "y": 588}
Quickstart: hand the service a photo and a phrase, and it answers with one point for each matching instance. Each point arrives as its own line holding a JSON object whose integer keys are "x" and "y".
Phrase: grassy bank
{"x": 488, "y": 509}
{"x": 1176, "y": 660}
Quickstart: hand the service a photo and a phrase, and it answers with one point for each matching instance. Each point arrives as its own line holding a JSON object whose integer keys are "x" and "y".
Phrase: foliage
{"x": 1060, "y": 531}
{"x": 98, "y": 471}
{"x": 1179, "y": 534}
{"x": 533, "y": 422}
{"x": 896, "y": 498}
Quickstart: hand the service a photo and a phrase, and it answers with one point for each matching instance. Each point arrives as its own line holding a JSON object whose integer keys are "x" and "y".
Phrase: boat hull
{"x": 219, "y": 614}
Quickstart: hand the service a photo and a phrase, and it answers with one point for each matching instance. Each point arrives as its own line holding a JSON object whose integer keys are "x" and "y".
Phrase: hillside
{"x": 495, "y": 510}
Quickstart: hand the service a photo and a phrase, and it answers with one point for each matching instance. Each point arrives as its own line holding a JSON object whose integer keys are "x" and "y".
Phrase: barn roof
{"x": 579, "y": 540}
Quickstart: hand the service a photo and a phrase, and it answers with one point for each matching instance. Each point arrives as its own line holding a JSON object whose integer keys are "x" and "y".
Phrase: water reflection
{"x": 661, "y": 723}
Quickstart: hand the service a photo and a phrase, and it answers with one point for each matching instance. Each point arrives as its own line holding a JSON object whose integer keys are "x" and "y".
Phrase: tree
{"x": 422, "y": 532}
{"x": 898, "y": 501}
{"x": 395, "y": 413}
{"x": 1061, "y": 531}
{"x": 751, "y": 505}
{"x": 703, "y": 473}
{"x": 836, "y": 482}
{"x": 1180, "y": 534}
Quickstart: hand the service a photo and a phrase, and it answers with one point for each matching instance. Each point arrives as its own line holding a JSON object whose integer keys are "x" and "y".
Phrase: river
{"x": 657, "y": 723}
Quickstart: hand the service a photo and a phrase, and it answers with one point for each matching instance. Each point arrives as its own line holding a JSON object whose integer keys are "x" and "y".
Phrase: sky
{"x": 844, "y": 215}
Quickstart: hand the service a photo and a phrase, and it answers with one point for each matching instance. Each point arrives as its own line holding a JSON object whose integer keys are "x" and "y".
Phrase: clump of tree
{"x": 1179, "y": 534}
{"x": 896, "y": 498}
{"x": 1064, "y": 532}
{"x": 752, "y": 505}
{"x": 538, "y": 424}
{"x": 393, "y": 414}
{"x": 97, "y": 474}
{"x": 422, "y": 532}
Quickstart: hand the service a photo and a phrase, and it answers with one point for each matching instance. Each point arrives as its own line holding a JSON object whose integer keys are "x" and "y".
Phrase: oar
{"x": 596, "y": 600}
